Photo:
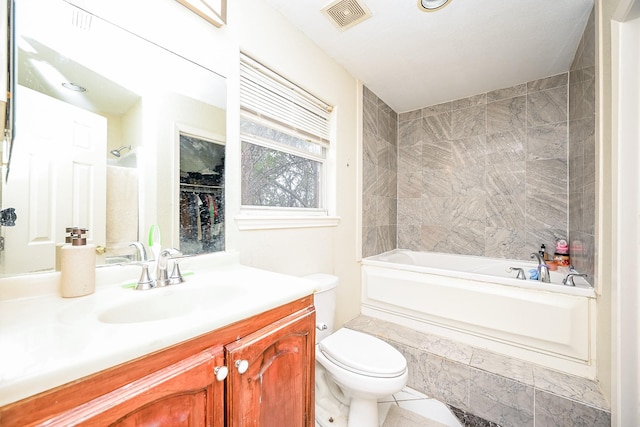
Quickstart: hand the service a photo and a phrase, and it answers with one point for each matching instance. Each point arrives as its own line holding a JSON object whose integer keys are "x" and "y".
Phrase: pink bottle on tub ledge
{"x": 561, "y": 255}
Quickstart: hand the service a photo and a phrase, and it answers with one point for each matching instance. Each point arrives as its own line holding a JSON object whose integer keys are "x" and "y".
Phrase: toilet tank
{"x": 325, "y": 303}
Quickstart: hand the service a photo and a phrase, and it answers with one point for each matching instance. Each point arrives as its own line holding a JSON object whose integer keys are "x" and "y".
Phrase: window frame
{"x": 269, "y": 217}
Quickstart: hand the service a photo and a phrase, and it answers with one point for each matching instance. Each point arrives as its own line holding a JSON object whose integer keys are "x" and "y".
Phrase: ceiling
{"x": 412, "y": 59}
{"x": 58, "y": 42}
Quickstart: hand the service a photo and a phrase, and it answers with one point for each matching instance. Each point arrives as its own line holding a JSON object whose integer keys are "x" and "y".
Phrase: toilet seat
{"x": 363, "y": 354}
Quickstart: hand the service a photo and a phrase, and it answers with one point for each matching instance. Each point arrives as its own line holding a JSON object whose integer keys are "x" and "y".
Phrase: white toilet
{"x": 364, "y": 367}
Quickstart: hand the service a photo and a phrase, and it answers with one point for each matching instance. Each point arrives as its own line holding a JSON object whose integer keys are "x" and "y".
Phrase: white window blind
{"x": 267, "y": 95}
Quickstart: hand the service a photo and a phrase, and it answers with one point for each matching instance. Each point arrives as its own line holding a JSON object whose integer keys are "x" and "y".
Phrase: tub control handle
{"x": 221, "y": 372}
{"x": 568, "y": 281}
{"x": 321, "y": 326}
{"x": 242, "y": 366}
{"x": 520, "y": 271}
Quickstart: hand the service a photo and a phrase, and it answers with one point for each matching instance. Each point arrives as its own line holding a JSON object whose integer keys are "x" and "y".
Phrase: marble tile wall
{"x": 486, "y": 175}
{"x": 379, "y": 189}
{"x": 502, "y": 390}
{"x": 495, "y": 174}
{"x": 582, "y": 154}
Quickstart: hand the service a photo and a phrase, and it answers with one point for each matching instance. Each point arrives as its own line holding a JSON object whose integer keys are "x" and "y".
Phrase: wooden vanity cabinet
{"x": 178, "y": 387}
{"x": 272, "y": 391}
{"x": 184, "y": 394}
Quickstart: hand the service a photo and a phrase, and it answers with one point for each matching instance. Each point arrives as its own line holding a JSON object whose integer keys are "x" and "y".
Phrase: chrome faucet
{"x": 162, "y": 276}
{"x": 543, "y": 268}
{"x": 141, "y": 252}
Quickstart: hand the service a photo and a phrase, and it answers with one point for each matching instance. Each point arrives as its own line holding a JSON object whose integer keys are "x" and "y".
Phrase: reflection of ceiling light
{"x": 74, "y": 87}
{"x": 432, "y": 5}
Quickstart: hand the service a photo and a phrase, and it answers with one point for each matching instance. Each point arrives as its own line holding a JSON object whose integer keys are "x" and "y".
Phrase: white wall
{"x": 268, "y": 38}
{"x": 257, "y": 30}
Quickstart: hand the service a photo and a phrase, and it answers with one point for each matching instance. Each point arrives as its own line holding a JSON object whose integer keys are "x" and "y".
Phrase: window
{"x": 285, "y": 139}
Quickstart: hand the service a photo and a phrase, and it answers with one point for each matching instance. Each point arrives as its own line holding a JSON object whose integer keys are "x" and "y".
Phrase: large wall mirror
{"x": 113, "y": 133}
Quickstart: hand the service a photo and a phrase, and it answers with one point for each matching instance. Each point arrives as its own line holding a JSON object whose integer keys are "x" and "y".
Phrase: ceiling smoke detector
{"x": 346, "y": 13}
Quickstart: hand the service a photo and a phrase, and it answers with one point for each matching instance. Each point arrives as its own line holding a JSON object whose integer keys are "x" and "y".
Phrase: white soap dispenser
{"x": 77, "y": 265}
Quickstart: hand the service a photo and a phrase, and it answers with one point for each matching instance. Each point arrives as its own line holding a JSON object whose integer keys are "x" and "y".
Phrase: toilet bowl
{"x": 364, "y": 367}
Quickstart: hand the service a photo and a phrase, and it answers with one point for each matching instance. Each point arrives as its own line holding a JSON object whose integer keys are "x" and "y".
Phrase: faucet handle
{"x": 520, "y": 271}
{"x": 176, "y": 275}
{"x": 568, "y": 281}
{"x": 144, "y": 282}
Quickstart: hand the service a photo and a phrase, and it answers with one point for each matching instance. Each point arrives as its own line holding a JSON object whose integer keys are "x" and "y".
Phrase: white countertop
{"x": 47, "y": 340}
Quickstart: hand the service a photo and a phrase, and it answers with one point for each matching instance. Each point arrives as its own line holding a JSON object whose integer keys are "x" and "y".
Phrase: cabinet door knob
{"x": 221, "y": 372}
{"x": 242, "y": 366}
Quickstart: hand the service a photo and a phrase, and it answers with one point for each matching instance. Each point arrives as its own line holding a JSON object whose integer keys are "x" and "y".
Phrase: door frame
{"x": 625, "y": 62}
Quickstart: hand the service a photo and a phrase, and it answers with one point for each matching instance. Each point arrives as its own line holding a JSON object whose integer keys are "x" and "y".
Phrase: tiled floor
{"x": 407, "y": 408}
{"x": 496, "y": 387}
{"x": 415, "y": 410}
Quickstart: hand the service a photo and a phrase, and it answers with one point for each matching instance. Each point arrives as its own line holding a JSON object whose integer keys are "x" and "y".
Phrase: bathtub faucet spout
{"x": 543, "y": 268}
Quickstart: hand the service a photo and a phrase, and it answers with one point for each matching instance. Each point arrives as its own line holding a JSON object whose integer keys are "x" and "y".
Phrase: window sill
{"x": 270, "y": 222}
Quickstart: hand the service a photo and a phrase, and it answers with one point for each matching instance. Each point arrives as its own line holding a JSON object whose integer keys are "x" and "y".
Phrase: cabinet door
{"x": 277, "y": 387}
{"x": 183, "y": 394}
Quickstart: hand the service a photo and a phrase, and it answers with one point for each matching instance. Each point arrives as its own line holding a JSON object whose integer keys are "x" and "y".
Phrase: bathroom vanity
{"x": 256, "y": 369}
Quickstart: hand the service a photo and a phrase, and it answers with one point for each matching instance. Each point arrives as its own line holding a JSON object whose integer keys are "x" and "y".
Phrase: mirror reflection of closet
{"x": 201, "y": 194}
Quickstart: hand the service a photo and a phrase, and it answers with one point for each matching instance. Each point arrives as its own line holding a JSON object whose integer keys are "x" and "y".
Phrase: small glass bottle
{"x": 543, "y": 252}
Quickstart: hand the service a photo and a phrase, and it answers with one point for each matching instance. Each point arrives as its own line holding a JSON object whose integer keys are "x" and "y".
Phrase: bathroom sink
{"x": 159, "y": 308}
{"x": 168, "y": 303}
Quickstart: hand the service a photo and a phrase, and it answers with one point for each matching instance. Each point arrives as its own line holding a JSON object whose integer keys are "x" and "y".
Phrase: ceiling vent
{"x": 81, "y": 19}
{"x": 346, "y": 13}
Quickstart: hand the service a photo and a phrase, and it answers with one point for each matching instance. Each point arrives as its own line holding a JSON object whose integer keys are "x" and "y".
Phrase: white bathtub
{"x": 475, "y": 300}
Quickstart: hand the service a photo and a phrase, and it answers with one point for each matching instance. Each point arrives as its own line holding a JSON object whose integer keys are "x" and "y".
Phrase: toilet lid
{"x": 363, "y": 354}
